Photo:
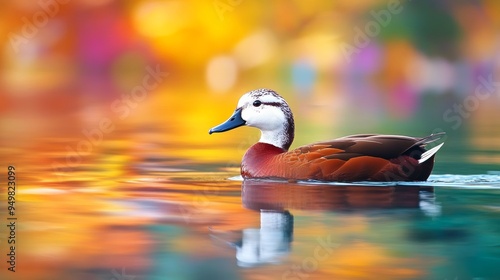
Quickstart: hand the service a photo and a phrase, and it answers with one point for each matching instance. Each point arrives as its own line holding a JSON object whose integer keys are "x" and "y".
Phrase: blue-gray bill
{"x": 233, "y": 122}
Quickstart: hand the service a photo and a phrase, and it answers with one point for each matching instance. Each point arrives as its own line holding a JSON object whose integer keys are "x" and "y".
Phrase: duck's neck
{"x": 282, "y": 137}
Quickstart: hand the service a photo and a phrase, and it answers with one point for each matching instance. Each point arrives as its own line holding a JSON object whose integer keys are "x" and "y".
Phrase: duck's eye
{"x": 257, "y": 103}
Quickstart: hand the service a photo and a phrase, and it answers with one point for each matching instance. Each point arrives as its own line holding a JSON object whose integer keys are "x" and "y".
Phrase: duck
{"x": 360, "y": 157}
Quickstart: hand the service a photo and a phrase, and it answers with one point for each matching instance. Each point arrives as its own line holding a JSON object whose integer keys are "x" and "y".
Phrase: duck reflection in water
{"x": 275, "y": 200}
{"x": 269, "y": 243}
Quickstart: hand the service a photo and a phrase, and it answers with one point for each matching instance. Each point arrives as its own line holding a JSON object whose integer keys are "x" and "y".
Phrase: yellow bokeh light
{"x": 159, "y": 18}
{"x": 256, "y": 49}
{"x": 221, "y": 73}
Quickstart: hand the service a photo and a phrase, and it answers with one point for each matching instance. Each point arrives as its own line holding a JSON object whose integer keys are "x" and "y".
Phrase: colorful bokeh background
{"x": 99, "y": 98}
{"x": 345, "y": 66}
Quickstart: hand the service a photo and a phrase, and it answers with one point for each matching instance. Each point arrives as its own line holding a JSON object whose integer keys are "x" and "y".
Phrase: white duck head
{"x": 267, "y": 111}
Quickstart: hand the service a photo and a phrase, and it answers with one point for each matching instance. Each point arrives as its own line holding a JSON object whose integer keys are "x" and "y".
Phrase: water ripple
{"x": 489, "y": 181}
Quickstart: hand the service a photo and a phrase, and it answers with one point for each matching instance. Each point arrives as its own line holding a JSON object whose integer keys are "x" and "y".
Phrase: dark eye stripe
{"x": 275, "y": 104}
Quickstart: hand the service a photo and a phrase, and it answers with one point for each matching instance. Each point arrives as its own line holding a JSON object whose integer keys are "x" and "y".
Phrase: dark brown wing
{"x": 360, "y": 157}
{"x": 380, "y": 146}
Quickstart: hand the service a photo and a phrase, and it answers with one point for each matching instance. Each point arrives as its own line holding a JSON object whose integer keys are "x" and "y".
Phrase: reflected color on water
{"x": 156, "y": 216}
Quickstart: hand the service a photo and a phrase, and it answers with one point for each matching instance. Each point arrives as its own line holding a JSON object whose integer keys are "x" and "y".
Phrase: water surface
{"x": 145, "y": 209}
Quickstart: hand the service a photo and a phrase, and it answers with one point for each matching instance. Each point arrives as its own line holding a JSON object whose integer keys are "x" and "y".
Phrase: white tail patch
{"x": 428, "y": 154}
